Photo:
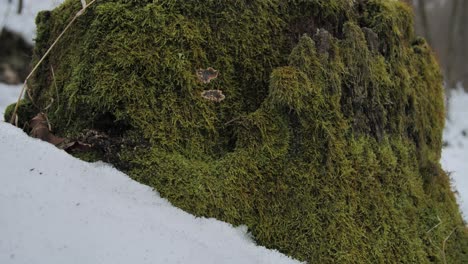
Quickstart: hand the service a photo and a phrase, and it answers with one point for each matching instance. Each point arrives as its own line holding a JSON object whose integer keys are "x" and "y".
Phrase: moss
{"x": 327, "y": 145}
{"x": 26, "y": 111}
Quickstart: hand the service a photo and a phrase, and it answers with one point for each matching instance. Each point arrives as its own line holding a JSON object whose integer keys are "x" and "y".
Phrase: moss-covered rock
{"x": 326, "y": 146}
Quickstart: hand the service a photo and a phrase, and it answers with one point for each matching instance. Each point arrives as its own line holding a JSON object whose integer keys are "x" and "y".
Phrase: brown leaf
{"x": 40, "y": 128}
{"x": 206, "y": 75}
{"x": 213, "y": 95}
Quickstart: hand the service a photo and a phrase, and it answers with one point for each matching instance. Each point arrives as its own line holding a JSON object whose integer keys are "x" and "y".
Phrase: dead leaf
{"x": 213, "y": 95}
{"x": 206, "y": 75}
{"x": 40, "y": 128}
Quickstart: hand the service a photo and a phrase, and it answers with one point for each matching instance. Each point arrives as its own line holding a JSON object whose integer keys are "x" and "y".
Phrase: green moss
{"x": 327, "y": 145}
{"x": 25, "y": 112}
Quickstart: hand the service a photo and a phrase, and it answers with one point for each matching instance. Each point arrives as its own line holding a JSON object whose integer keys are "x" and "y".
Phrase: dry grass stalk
{"x": 444, "y": 244}
{"x": 79, "y": 13}
{"x": 55, "y": 83}
{"x": 434, "y": 227}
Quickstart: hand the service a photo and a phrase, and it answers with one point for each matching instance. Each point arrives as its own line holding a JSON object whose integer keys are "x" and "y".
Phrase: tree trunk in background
{"x": 451, "y": 45}
{"x": 20, "y": 6}
{"x": 443, "y": 23}
{"x": 15, "y": 57}
{"x": 426, "y": 31}
{"x": 464, "y": 44}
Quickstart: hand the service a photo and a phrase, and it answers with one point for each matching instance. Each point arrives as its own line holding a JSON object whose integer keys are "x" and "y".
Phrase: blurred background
{"x": 444, "y": 25}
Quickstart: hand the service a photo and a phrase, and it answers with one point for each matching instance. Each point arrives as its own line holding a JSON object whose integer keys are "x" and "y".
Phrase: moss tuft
{"x": 26, "y": 111}
{"x": 327, "y": 143}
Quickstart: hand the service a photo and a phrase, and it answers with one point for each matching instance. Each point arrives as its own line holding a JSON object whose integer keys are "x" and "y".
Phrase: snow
{"x": 8, "y": 94}
{"x": 455, "y": 154}
{"x": 23, "y": 23}
{"x": 58, "y": 209}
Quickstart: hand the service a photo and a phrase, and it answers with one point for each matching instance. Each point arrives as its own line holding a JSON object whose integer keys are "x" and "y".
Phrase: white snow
{"x": 57, "y": 209}
{"x": 24, "y": 23}
{"x": 8, "y": 94}
{"x": 455, "y": 154}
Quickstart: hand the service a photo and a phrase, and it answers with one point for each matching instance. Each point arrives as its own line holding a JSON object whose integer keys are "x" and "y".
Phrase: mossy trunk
{"x": 327, "y": 144}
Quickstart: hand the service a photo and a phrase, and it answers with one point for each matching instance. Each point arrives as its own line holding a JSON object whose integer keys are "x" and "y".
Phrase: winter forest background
{"x": 444, "y": 25}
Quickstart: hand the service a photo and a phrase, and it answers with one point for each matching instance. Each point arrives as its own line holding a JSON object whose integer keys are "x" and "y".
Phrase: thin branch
{"x": 452, "y": 34}
{"x": 424, "y": 21}
{"x": 5, "y": 16}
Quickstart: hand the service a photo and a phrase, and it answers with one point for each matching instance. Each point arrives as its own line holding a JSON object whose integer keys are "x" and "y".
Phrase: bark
{"x": 464, "y": 45}
{"x": 451, "y": 45}
{"x": 424, "y": 21}
{"x": 20, "y": 6}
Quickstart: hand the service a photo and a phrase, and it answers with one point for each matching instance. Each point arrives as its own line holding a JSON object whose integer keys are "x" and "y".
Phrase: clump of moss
{"x": 25, "y": 112}
{"x": 326, "y": 146}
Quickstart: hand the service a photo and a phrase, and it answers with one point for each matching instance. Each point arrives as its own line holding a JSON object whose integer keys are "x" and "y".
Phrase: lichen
{"x": 328, "y": 140}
